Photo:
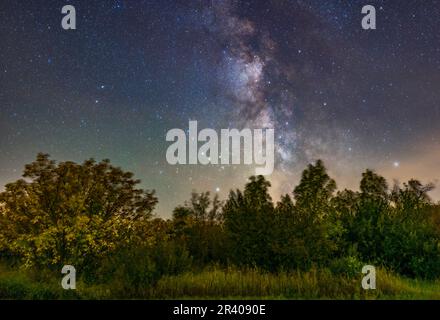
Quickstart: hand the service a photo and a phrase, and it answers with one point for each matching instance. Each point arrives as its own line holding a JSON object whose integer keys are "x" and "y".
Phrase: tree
{"x": 374, "y": 188}
{"x": 346, "y": 206}
{"x": 197, "y": 225}
{"x": 249, "y": 221}
{"x": 412, "y": 197}
{"x": 412, "y": 243}
{"x": 315, "y": 190}
{"x": 69, "y": 213}
{"x": 313, "y": 208}
{"x": 372, "y": 219}
{"x": 289, "y": 246}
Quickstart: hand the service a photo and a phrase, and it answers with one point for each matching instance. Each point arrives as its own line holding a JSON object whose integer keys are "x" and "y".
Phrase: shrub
{"x": 349, "y": 266}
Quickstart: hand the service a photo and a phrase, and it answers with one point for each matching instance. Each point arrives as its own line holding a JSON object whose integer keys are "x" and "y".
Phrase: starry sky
{"x": 134, "y": 69}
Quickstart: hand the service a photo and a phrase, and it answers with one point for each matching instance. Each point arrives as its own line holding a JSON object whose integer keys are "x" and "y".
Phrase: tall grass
{"x": 315, "y": 284}
{"x": 226, "y": 283}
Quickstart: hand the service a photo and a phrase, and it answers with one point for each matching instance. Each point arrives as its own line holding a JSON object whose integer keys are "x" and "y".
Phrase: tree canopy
{"x": 68, "y": 213}
{"x": 95, "y": 216}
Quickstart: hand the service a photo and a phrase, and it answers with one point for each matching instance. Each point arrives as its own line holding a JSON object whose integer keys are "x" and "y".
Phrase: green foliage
{"x": 348, "y": 266}
{"x": 25, "y": 285}
{"x": 288, "y": 236}
{"x": 315, "y": 189}
{"x": 249, "y": 224}
{"x": 231, "y": 283}
{"x": 93, "y": 216}
{"x": 70, "y": 213}
{"x": 133, "y": 270}
{"x": 394, "y": 229}
{"x": 197, "y": 225}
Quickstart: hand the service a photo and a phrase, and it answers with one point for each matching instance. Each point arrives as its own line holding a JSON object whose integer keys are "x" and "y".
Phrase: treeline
{"x": 398, "y": 228}
{"x": 93, "y": 216}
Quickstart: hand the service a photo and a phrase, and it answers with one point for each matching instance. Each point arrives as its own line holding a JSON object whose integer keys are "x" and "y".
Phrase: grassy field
{"x": 317, "y": 284}
{"x": 216, "y": 283}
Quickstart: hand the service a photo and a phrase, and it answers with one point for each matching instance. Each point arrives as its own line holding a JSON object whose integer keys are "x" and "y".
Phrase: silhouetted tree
{"x": 313, "y": 197}
{"x": 249, "y": 221}
{"x": 315, "y": 190}
{"x": 93, "y": 215}
{"x": 197, "y": 225}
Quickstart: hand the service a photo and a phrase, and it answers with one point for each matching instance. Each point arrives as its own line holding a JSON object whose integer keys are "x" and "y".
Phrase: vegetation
{"x": 311, "y": 244}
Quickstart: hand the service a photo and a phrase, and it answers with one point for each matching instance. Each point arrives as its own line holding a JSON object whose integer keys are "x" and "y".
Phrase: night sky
{"x": 132, "y": 70}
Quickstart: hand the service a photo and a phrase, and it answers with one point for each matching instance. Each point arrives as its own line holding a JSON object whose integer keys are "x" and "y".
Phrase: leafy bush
{"x": 133, "y": 270}
{"x": 349, "y": 266}
{"x": 67, "y": 213}
{"x": 92, "y": 215}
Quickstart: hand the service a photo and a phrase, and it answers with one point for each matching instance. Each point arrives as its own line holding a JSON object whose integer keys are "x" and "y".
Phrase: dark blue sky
{"x": 135, "y": 69}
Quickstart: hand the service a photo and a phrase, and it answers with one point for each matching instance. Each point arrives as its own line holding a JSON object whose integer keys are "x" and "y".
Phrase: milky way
{"x": 135, "y": 69}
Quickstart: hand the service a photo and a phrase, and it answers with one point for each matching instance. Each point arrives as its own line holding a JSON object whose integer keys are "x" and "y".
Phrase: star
{"x": 304, "y": 69}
